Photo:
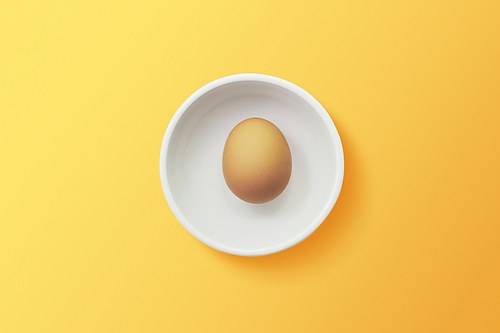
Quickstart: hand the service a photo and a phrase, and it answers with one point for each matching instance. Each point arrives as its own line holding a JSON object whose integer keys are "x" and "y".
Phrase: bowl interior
{"x": 207, "y": 207}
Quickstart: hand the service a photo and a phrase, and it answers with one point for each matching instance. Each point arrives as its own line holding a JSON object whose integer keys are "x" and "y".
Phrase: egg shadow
{"x": 322, "y": 243}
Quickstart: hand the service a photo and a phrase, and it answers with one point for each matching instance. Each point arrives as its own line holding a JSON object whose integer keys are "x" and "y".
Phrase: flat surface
{"x": 88, "y": 243}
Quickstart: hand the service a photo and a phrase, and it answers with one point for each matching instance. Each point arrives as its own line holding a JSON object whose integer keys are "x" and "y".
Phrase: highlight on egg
{"x": 256, "y": 162}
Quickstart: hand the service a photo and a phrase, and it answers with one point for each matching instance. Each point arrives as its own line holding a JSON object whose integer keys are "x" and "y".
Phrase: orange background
{"x": 88, "y": 244}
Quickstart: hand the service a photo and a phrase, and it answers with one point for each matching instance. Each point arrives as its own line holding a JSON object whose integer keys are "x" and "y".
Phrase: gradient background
{"x": 88, "y": 243}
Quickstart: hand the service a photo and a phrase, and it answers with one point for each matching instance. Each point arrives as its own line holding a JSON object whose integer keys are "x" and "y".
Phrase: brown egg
{"x": 256, "y": 162}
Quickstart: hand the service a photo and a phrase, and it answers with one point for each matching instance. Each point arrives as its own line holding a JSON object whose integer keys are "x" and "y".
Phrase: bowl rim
{"x": 309, "y": 99}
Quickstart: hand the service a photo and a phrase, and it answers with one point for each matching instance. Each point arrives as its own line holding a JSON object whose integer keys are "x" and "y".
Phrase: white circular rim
{"x": 339, "y": 155}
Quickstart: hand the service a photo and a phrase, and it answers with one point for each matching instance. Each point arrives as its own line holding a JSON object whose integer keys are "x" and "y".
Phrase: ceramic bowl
{"x": 191, "y": 165}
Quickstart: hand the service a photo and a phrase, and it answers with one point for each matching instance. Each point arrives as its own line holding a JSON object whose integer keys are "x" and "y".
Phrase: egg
{"x": 256, "y": 162}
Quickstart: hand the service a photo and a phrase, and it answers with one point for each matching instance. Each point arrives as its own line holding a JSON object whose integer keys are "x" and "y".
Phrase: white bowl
{"x": 191, "y": 165}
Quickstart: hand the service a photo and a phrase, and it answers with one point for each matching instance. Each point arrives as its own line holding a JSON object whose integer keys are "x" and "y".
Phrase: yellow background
{"x": 88, "y": 243}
